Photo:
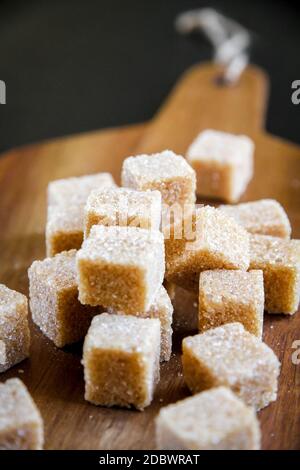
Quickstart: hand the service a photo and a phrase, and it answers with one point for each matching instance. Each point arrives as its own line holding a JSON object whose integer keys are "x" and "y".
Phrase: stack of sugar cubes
{"x": 117, "y": 256}
{"x": 105, "y": 280}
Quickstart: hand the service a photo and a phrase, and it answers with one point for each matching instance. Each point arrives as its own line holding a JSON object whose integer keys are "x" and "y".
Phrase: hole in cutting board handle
{"x": 221, "y": 81}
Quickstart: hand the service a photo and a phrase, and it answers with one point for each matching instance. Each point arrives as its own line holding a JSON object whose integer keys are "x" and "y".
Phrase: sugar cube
{"x": 231, "y": 356}
{"x": 266, "y": 217}
{"x": 122, "y": 206}
{"x": 185, "y": 303}
{"x": 54, "y": 303}
{"x": 2, "y": 353}
{"x": 65, "y": 215}
{"x": 167, "y": 172}
{"x": 162, "y": 309}
{"x": 121, "y": 267}
{"x": 212, "y": 420}
{"x": 14, "y": 329}
{"x": 64, "y": 229}
{"x": 279, "y": 260}
{"x": 170, "y": 288}
{"x": 205, "y": 239}
{"x": 121, "y": 360}
{"x": 223, "y": 164}
{"x": 75, "y": 190}
{"x": 21, "y": 425}
{"x": 231, "y": 296}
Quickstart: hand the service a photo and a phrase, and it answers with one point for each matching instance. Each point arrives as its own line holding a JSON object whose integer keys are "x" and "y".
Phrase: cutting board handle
{"x": 200, "y": 100}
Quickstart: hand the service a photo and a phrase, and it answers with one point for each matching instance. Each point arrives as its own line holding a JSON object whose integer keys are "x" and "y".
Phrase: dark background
{"x": 72, "y": 66}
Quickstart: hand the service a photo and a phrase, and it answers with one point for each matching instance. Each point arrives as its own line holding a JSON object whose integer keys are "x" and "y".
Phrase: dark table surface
{"x": 73, "y": 66}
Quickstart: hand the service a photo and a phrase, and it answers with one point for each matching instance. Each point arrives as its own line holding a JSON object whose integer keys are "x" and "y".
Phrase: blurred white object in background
{"x": 229, "y": 39}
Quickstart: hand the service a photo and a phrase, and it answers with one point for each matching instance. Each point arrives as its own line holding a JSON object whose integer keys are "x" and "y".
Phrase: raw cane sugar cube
{"x": 121, "y": 268}
{"x": 122, "y": 206}
{"x": 75, "y": 190}
{"x": 121, "y": 360}
{"x": 2, "y": 353}
{"x": 207, "y": 239}
{"x": 212, "y": 420}
{"x": 185, "y": 308}
{"x": 231, "y": 356}
{"x": 223, "y": 164}
{"x": 65, "y": 216}
{"x": 162, "y": 309}
{"x": 21, "y": 425}
{"x": 231, "y": 296}
{"x": 14, "y": 329}
{"x": 167, "y": 172}
{"x": 279, "y": 260}
{"x": 170, "y": 288}
{"x": 54, "y": 303}
{"x": 265, "y": 217}
{"x": 64, "y": 228}
{"x": 185, "y": 316}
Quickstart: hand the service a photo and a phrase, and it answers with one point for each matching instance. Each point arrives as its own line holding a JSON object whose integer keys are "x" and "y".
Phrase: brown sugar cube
{"x": 265, "y": 217}
{"x": 231, "y": 296}
{"x": 185, "y": 316}
{"x": 231, "y": 356}
{"x": 54, "y": 302}
{"x": 121, "y": 360}
{"x": 75, "y": 190}
{"x": 212, "y": 420}
{"x": 64, "y": 229}
{"x": 21, "y": 425}
{"x": 2, "y": 353}
{"x": 65, "y": 216}
{"x": 121, "y": 267}
{"x": 162, "y": 309}
{"x": 223, "y": 164}
{"x": 280, "y": 262}
{"x": 185, "y": 308}
{"x": 170, "y": 288}
{"x": 122, "y": 206}
{"x": 14, "y": 329}
{"x": 206, "y": 239}
{"x": 167, "y": 172}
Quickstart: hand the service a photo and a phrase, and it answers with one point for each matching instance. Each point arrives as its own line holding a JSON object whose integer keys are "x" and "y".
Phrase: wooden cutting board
{"x": 53, "y": 376}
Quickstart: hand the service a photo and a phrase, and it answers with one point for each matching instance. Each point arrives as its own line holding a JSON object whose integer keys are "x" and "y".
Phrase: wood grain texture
{"x": 198, "y": 102}
{"x": 53, "y": 376}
